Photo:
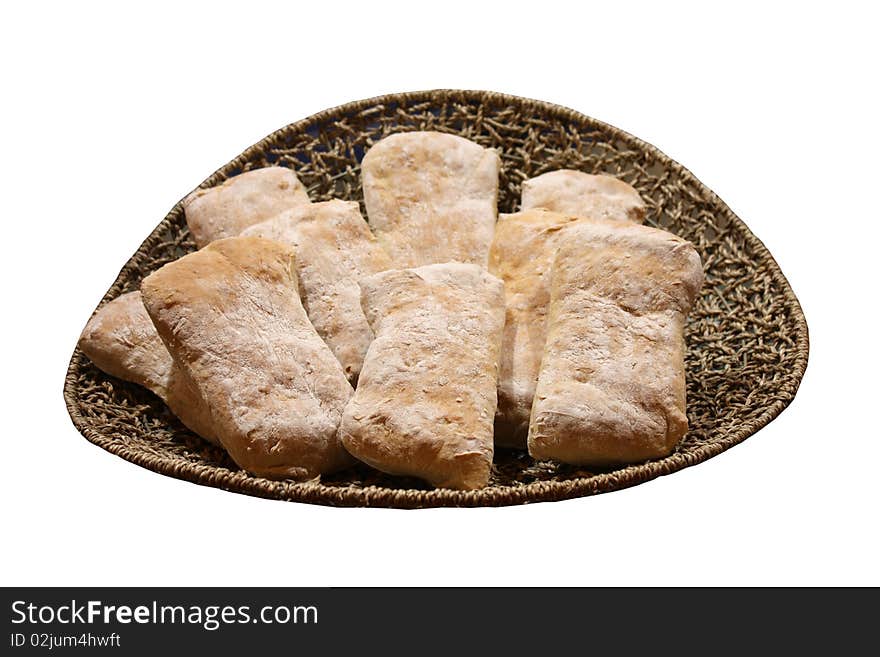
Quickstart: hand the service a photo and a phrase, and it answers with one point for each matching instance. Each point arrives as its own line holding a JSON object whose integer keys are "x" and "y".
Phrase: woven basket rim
{"x": 377, "y": 496}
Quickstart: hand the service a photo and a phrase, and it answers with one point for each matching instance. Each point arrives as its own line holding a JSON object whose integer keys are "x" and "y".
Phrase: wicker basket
{"x": 747, "y": 336}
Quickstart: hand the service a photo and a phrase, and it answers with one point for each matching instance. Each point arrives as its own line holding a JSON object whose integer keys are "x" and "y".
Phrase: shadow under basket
{"x": 746, "y": 336}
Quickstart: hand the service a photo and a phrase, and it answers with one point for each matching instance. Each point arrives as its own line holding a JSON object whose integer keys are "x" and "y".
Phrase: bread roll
{"x": 426, "y": 398}
{"x": 120, "y": 339}
{"x": 231, "y": 317}
{"x": 611, "y": 387}
{"x": 241, "y": 201}
{"x": 431, "y": 198}
{"x": 584, "y": 195}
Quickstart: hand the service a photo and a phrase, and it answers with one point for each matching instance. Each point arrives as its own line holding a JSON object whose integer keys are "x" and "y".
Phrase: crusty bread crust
{"x": 431, "y": 198}
{"x": 584, "y": 195}
{"x": 611, "y": 387}
{"x": 231, "y": 317}
{"x": 426, "y": 398}
{"x": 120, "y": 339}
{"x": 241, "y": 201}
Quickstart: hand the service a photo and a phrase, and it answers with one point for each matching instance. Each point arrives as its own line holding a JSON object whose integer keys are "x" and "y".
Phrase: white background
{"x": 111, "y": 114}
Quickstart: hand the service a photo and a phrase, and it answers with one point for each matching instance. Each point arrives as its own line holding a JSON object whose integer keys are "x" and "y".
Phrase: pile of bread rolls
{"x": 302, "y": 339}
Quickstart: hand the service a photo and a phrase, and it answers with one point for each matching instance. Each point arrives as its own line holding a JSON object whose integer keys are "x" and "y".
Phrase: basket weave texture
{"x": 747, "y": 337}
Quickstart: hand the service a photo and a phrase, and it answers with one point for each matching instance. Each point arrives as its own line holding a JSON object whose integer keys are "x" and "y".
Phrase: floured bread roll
{"x": 333, "y": 248}
{"x": 612, "y": 382}
{"x": 241, "y": 201}
{"x": 231, "y": 317}
{"x": 431, "y": 197}
{"x": 584, "y": 195}
{"x": 426, "y": 398}
{"x": 120, "y": 339}
{"x": 522, "y": 255}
